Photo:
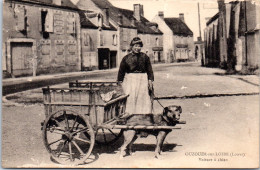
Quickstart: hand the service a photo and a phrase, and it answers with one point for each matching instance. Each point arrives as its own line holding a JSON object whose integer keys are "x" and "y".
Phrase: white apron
{"x": 139, "y": 101}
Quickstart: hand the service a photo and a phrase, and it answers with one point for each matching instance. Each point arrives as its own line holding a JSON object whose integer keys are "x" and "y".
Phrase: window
{"x": 46, "y": 21}
{"x": 114, "y": 39}
{"x": 86, "y": 40}
{"x": 157, "y": 41}
{"x": 100, "y": 21}
{"x": 102, "y": 40}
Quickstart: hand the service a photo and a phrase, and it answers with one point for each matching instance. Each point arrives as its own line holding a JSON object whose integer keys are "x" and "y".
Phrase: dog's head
{"x": 172, "y": 113}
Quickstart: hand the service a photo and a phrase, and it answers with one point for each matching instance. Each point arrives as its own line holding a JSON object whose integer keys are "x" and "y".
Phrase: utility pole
{"x": 199, "y": 18}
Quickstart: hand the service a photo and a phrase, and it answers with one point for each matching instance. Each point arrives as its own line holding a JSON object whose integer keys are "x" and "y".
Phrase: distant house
{"x": 128, "y": 24}
{"x": 177, "y": 37}
{"x": 232, "y": 37}
{"x": 125, "y": 29}
{"x": 99, "y": 41}
{"x": 199, "y": 50}
{"x": 148, "y": 31}
{"x": 40, "y": 37}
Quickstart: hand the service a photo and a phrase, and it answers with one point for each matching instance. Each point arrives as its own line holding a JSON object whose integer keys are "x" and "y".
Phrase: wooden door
{"x": 21, "y": 56}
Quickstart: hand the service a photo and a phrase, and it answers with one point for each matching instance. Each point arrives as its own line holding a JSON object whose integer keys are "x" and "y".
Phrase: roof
{"x": 213, "y": 18}
{"x": 113, "y": 12}
{"x": 67, "y": 4}
{"x": 178, "y": 26}
{"x": 143, "y": 26}
{"x": 84, "y": 22}
{"x": 127, "y": 17}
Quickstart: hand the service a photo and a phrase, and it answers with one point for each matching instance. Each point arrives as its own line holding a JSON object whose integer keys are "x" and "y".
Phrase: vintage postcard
{"x": 130, "y": 84}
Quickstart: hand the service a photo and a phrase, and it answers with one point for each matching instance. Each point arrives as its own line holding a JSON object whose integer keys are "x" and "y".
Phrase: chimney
{"x": 138, "y": 11}
{"x": 161, "y": 14}
{"x": 120, "y": 19}
{"x": 221, "y": 5}
{"x": 106, "y": 16}
{"x": 181, "y": 16}
{"x": 56, "y": 2}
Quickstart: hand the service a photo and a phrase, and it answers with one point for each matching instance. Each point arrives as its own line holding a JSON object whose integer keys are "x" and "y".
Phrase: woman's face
{"x": 137, "y": 48}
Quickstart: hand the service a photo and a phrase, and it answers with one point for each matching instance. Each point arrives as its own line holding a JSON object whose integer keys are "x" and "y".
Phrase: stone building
{"x": 125, "y": 30}
{"x": 199, "y": 51}
{"x": 177, "y": 38}
{"x": 99, "y": 41}
{"x": 232, "y": 36}
{"x": 40, "y": 37}
{"x": 148, "y": 31}
{"x": 212, "y": 40}
{"x": 128, "y": 25}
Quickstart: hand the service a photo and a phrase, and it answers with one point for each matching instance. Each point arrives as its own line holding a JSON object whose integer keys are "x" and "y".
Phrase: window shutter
{"x": 114, "y": 39}
{"x": 20, "y": 13}
{"x": 49, "y": 21}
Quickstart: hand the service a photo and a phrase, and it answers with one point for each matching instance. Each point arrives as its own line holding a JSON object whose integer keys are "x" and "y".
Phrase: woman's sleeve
{"x": 149, "y": 69}
{"x": 121, "y": 71}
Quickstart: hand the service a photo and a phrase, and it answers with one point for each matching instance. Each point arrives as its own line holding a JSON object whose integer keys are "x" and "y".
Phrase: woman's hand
{"x": 150, "y": 85}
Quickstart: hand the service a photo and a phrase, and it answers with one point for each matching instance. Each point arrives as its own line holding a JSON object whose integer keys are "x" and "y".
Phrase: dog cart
{"x": 82, "y": 115}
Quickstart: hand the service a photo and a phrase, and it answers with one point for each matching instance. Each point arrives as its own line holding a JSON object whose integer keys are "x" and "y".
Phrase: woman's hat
{"x": 136, "y": 40}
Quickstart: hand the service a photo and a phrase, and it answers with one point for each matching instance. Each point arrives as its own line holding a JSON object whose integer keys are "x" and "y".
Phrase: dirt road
{"x": 219, "y": 129}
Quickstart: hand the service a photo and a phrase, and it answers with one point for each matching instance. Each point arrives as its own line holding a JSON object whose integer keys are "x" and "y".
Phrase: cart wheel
{"x": 64, "y": 139}
{"x": 107, "y": 136}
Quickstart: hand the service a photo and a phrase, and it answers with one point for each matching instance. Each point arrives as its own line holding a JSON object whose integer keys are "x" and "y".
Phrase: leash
{"x": 156, "y": 99}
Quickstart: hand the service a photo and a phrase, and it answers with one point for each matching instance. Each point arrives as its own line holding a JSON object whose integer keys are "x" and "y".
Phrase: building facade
{"x": 148, "y": 32}
{"x": 128, "y": 24}
{"x": 178, "y": 41}
{"x": 40, "y": 37}
{"x": 233, "y": 42}
{"x": 125, "y": 31}
{"x": 199, "y": 51}
{"x": 99, "y": 42}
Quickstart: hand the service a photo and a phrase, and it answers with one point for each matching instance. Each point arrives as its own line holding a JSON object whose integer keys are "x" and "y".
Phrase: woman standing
{"x": 136, "y": 75}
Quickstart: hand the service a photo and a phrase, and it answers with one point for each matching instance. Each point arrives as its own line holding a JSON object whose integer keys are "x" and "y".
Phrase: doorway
{"x": 113, "y": 59}
{"x": 21, "y": 58}
{"x": 103, "y": 58}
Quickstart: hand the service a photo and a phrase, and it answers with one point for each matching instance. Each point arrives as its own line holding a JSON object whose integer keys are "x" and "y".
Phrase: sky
{"x": 172, "y": 8}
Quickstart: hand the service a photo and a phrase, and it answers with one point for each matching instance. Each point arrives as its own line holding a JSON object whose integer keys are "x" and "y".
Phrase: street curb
{"x": 10, "y": 86}
{"x": 205, "y": 96}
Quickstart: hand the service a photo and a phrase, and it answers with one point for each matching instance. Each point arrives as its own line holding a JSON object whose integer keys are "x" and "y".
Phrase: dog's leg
{"x": 130, "y": 150}
{"x": 128, "y": 137}
{"x": 160, "y": 139}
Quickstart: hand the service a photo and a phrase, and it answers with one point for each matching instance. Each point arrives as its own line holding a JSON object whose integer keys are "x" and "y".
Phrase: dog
{"x": 169, "y": 117}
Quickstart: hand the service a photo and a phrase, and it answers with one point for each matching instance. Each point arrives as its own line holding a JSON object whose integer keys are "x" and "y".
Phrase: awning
{"x": 157, "y": 48}
{"x": 182, "y": 45}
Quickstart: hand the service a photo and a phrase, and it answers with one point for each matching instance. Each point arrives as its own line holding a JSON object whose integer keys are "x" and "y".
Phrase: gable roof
{"x": 113, "y": 13}
{"x": 127, "y": 17}
{"x": 143, "y": 26}
{"x": 178, "y": 26}
{"x": 212, "y": 19}
{"x": 66, "y": 4}
{"x": 84, "y": 22}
